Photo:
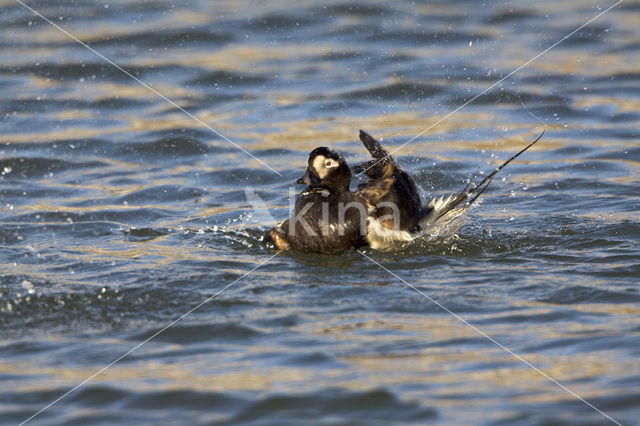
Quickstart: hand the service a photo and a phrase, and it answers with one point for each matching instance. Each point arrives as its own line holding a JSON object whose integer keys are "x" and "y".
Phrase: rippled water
{"x": 119, "y": 213}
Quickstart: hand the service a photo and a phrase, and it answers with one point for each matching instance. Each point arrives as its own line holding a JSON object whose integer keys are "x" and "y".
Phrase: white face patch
{"x": 321, "y": 165}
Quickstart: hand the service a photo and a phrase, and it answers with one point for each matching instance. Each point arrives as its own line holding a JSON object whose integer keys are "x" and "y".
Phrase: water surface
{"x": 119, "y": 213}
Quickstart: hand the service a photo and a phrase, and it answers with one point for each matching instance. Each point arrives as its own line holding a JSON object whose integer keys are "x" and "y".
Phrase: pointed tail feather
{"x": 477, "y": 189}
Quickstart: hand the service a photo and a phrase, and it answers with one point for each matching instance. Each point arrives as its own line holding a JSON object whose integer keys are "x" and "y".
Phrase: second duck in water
{"x": 381, "y": 213}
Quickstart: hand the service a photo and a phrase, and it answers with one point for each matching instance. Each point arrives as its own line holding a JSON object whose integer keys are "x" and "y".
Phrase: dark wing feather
{"x": 383, "y": 164}
{"x": 376, "y": 150}
{"x": 388, "y": 183}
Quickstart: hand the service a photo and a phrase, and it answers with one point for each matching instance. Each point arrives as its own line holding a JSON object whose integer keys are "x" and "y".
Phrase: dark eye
{"x": 330, "y": 163}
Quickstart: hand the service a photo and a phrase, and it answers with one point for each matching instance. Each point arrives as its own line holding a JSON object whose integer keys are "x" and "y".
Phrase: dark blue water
{"x": 119, "y": 213}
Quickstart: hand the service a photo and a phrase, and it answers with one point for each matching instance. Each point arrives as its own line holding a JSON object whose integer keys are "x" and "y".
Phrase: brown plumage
{"x": 320, "y": 223}
{"x": 390, "y": 212}
{"x": 388, "y": 184}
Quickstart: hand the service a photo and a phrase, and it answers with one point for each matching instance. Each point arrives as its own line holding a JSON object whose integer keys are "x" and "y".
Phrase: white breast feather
{"x": 382, "y": 238}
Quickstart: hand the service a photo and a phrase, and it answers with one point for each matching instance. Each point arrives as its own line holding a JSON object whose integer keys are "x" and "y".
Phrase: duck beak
{"x": 305, "y": 180}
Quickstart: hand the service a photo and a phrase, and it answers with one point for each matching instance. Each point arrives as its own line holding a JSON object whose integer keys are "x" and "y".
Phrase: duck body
{"x": 327, "y": 217}
{"x": 382, "y": 213}
{"x": 392, "y": 198}
{"x": 319, "y": 223}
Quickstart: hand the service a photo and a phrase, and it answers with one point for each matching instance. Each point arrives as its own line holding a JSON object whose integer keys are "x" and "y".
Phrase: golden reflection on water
{"x": 304, "y": 135}
{"x": 449, "y": 371}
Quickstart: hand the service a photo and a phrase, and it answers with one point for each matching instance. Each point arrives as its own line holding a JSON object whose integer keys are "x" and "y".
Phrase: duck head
{"x": 326, "y": 169}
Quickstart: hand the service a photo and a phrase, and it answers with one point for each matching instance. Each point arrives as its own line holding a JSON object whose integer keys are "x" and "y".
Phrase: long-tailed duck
{"x": 384, "y": 211}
